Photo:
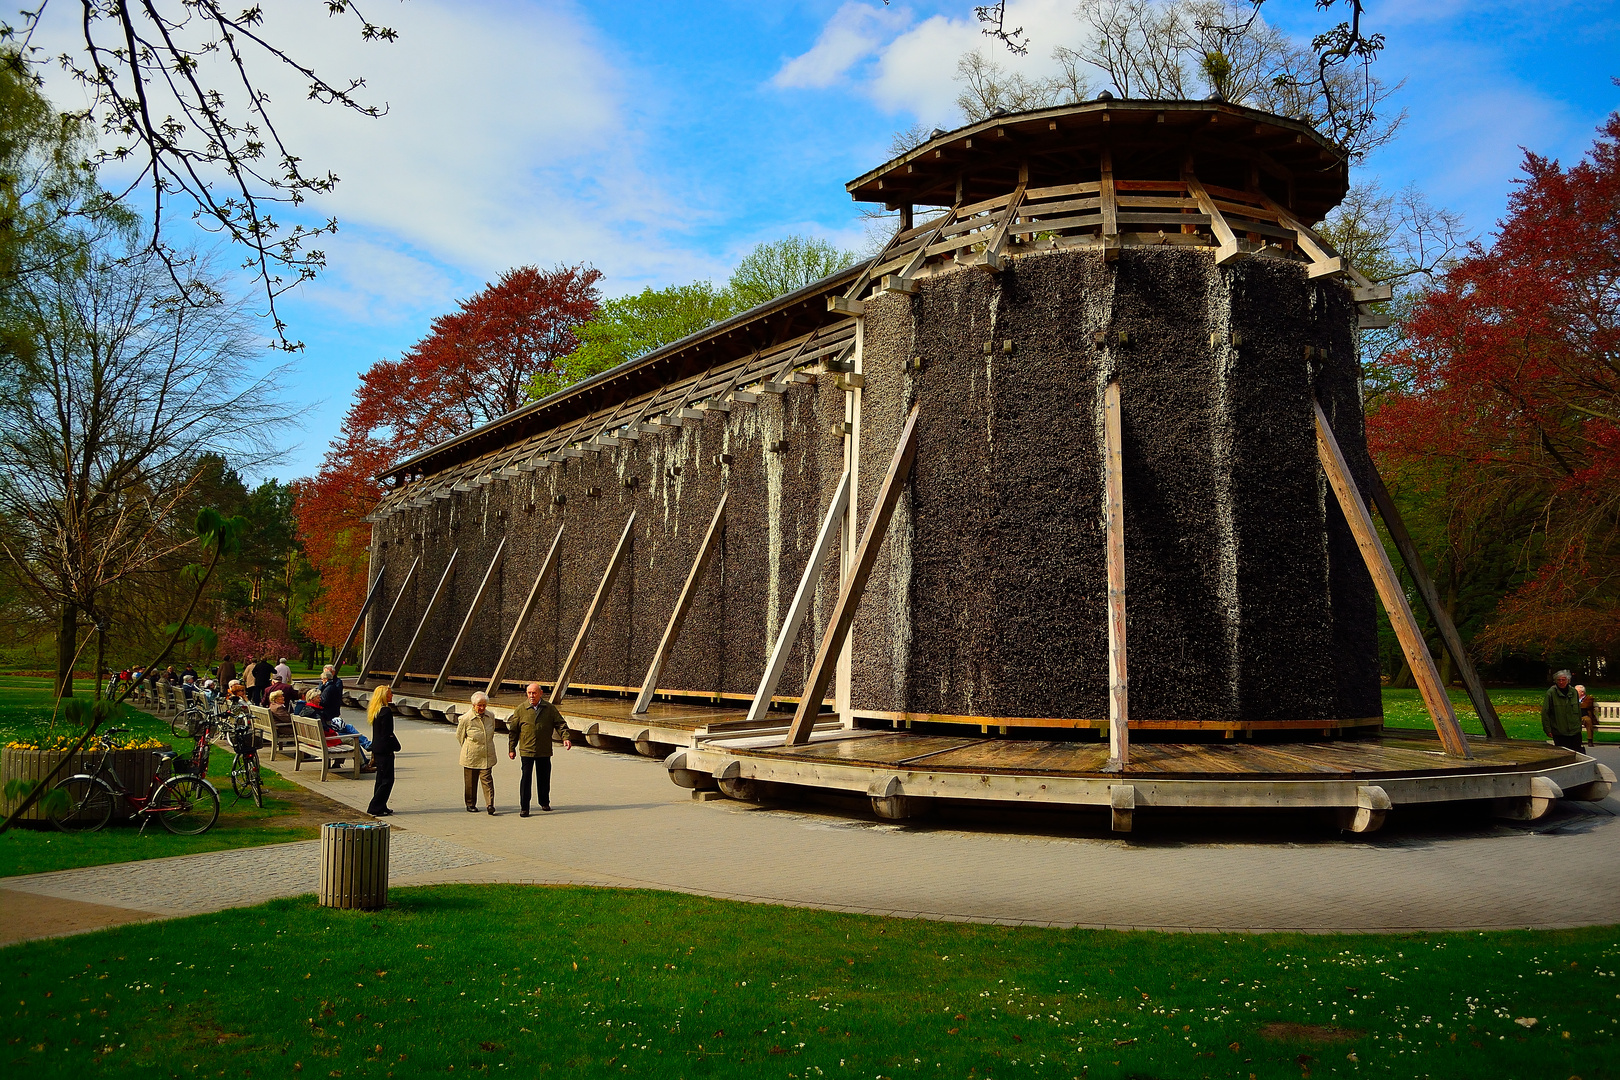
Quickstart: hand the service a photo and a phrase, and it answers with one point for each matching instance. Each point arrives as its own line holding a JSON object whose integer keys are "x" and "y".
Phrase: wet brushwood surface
{"x": 579, "y": 982}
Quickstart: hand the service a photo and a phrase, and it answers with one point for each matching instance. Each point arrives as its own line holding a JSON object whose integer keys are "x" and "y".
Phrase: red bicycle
{"x": 185, "y": 803}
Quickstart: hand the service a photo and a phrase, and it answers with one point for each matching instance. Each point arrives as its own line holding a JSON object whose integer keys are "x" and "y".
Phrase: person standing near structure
{"x": 529, "y": 731}
{"x": 475, "y": 731}
{"x": 1561, "y": 713}
{"x": 384, "y": 745}
{"x": 1588, "y": 713}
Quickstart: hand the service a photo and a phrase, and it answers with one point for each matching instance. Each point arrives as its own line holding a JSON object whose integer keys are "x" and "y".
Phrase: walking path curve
{"x": 620, "y": 822}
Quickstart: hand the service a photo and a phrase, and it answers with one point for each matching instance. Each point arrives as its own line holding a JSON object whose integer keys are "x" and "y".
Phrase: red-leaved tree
{"x": 472, "y": 367}
{"x": 1513, "y": 371}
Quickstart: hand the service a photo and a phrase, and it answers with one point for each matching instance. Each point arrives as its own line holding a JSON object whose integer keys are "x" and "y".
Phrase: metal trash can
{"x": 354, "y": 865}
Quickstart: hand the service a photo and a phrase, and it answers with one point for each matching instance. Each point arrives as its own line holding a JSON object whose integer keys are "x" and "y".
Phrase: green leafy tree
{"x": 633, "y": 326}
{"x": 780, "y": 267}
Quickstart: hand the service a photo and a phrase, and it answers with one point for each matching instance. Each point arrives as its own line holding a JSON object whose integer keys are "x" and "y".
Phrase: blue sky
{"x": 660, "y": 142}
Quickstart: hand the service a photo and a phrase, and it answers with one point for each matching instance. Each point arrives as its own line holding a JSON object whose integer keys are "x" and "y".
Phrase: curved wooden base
{"x": 904, "y": 774}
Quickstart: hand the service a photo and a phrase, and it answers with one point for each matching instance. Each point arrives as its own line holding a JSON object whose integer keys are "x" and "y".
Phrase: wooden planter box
{"x": 133, "y": 768}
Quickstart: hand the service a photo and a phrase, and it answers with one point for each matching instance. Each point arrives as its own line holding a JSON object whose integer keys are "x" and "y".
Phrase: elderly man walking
{"x": 475, "y": 731}
{"x": 529, "y": 732}
{"x": 1561, "y": 713}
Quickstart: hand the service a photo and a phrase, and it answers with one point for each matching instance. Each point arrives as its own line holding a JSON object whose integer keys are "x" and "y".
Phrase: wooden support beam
{"x": 388, "y": 619}
{"x": 567, "y": 672}
{"x": 789, "y": 633}
{"x": 1119, "y": 687}
{"x": 849, "y": 598}
{"x": 1323, "y": 259}
{"x": 472, "y": 613}
{"x": 359, "y": 620}
{"x": 433, "y": 604}
{"x": 1108, "y": 203}
{"x": 1389, "y": 589}
{"x": 525, "y": 614}
{"x": 1431, "y": 600}
{"x": 1228, "y": 250}
{"x": 990, "y": 258}
{"x": 902, "y": 277}
{"x": 683, "y": 604}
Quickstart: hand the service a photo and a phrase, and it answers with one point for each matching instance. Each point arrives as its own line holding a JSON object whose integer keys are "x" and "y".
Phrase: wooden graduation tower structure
{"x": 1061, "y": 499}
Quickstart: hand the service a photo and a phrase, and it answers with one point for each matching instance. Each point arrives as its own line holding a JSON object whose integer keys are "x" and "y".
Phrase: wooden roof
{"x": 759, "y": 329}
{"x": 1148, "y": 140}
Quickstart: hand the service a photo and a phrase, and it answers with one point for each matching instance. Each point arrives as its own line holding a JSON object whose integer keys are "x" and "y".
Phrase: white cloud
{"x": 854, "y": 32}
{"x": 510, "y": 138}
{"x": 907, "y": 67}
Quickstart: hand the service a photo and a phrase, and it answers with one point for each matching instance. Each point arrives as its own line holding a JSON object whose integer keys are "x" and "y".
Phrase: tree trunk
{"x": 1446, "y": 668}
{"x": 67, "y": 643}
{"x": 1403, "y": 679}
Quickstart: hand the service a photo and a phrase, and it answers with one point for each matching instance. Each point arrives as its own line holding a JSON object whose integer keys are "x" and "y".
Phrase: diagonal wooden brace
{"x": 849, "y": 599}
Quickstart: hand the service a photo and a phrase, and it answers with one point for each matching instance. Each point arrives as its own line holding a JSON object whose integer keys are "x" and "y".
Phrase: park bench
{"x": 310, "y": 739}
{"x": 279, "y": 737}
{"x": 1608, "y": 716}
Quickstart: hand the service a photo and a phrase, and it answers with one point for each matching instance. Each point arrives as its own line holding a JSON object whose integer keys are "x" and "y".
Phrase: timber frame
{"x": 1237, "y": 187}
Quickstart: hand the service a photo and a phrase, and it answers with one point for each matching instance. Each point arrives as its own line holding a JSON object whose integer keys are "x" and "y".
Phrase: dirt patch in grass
{"x": 1314, "y": 1034}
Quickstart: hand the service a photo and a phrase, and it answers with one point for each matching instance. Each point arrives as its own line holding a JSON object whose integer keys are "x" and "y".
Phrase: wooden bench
{"x": 280, "y": 738}
{"x": 310, "y": 739}
{"x": 1608, "y": 716}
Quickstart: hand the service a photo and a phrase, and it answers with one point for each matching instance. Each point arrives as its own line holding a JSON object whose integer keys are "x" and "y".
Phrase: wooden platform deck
{"x": 604, "y": 721}
{"x": 1363, "y": 778}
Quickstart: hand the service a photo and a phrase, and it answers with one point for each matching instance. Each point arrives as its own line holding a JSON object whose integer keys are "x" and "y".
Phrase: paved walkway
{"x": 619, "y": 821}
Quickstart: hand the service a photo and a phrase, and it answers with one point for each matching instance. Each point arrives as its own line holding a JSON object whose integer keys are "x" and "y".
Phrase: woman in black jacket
{"x": 384, "y": 746}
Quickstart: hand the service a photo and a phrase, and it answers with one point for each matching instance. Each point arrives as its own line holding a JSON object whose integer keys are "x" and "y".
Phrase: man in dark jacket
{"x": 227, "y": 672}
{"x": 1561, "y": 713}
{"x": 331, "y": 693}
{"x": 529, "y": 731}
{"x": 263, "y": 673}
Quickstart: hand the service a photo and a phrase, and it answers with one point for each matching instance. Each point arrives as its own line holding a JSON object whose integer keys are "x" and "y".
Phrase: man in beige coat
{"x": 475, "y": 731}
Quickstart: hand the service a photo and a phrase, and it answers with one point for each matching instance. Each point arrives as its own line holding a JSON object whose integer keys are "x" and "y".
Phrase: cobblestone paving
{"x": 197, "y": 883}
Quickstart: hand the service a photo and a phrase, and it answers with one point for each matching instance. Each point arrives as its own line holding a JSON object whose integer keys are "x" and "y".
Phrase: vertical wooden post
{"x": 1437, "y": 611}
{"x": 789, "y": 633}
{"x": 472, "y": 612}
{"x": 683, "y": 604}
{"x": 1109, "y": 205}
{"x": 849, "y": 599}
{"x": 1389, "y": 589}
{"x": 612, "y": 571}
{"x": 360, "y": 619}
{"x": 1119, "y": 686}
{"x": 848, "y": 536}
{"x": 365, "y": 668}
{"x": 433, "y": 604}
{"x": 524, "y": 614}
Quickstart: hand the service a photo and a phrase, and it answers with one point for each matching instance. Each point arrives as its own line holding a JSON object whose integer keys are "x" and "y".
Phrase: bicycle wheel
{"x": 90, "y": 805}
{"x": 186, "y": 805}
{"x": 255, "y": 779}
{"x": 240, "y": 784}
{"x": 180, "y": 723}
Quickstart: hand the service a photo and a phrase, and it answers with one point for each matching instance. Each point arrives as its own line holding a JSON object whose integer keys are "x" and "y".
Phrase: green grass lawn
{"x": 1518, "y": 707}
{"x": 25, "y": 711}
{"x": 578, "y": 982}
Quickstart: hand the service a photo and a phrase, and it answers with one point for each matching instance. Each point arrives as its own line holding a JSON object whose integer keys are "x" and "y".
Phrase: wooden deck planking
{"x": 1358, "y": 759}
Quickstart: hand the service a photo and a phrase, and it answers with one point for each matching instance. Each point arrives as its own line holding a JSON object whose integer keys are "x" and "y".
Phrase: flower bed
{"x": 132, "y": 764}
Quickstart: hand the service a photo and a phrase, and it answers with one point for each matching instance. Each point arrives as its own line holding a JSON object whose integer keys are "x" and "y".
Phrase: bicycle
{"x": 185, "y": 803}
{"x": 245, "y": 778}
{"x": 196, "y": 709}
